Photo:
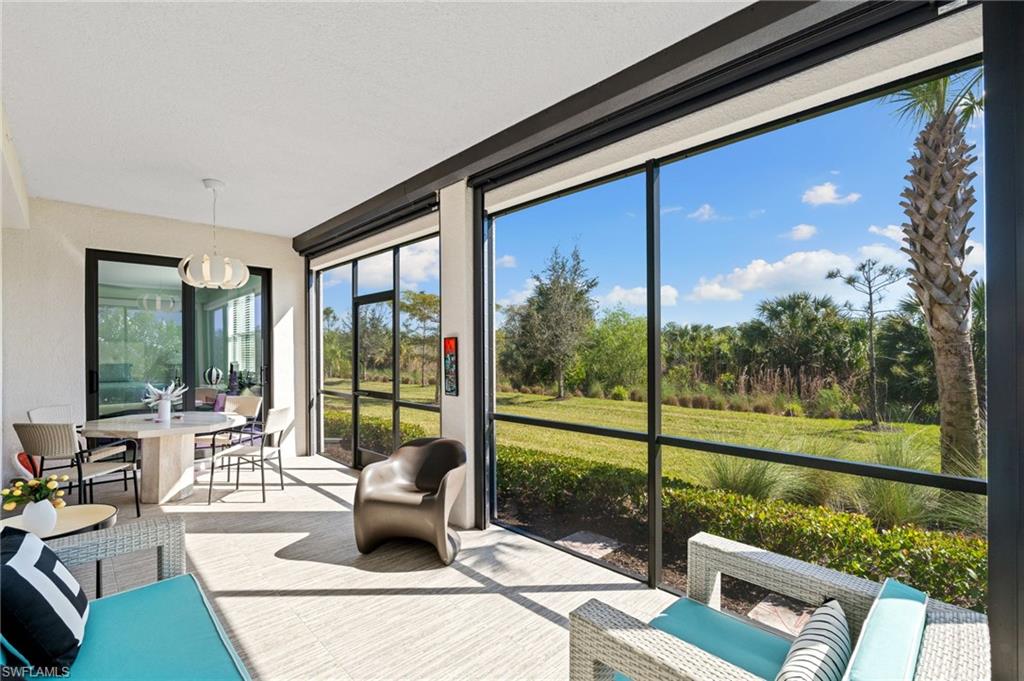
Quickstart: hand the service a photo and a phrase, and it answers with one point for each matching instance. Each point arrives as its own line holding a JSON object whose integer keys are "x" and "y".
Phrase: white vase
{"x": 163, "y": 411}
{"x": 39, "y": 517}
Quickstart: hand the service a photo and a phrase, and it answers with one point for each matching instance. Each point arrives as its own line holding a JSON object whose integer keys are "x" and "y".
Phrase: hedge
{"x": 950, "y": 566}
{"x": 374, "y": 431}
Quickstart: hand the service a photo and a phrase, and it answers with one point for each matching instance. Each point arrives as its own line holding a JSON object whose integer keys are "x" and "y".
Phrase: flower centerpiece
{"x": 41, "y": 496}
{"x": 164, "y": 399}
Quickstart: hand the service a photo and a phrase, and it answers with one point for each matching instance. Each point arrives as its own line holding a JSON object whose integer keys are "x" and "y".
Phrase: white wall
{"x": 43, "y": 302}
{"x": 457, "y": 422}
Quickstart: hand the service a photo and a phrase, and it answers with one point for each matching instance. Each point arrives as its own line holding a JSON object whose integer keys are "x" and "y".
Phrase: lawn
{"x": 838, "y": 438}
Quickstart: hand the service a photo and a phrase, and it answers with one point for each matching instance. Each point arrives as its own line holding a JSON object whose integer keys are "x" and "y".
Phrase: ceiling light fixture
{"x": 213, "y": 271}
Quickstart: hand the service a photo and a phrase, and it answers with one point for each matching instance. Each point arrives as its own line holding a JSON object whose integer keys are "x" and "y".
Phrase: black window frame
{"x": 653, "y": 437}
{"x": 315, "y": 315}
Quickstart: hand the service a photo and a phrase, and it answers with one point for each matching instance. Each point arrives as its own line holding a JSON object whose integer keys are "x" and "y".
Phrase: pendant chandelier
{"x": 213, "y": 271}
{"x": 157, "y": 302}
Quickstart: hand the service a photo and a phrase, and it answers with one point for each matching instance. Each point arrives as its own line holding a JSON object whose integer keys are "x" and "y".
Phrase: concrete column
{"x": 457, "y": 422}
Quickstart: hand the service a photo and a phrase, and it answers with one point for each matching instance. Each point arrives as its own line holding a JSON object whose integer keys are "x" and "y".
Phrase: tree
{"x": 906, "y": 361}
{"x": 870, "y": 279}
{"x": 615, "y": 352}
{"x": 802, "y": 334}
{"x": 422, "y": 313}
{"x": 937, "y": 203}
{"x": 544, "y": 334}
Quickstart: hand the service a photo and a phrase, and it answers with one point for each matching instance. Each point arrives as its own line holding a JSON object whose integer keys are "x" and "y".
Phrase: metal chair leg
{"x": 238, "y": 472}
{"x": 280, "y": 469}
{"x": 124, "y": 479}
{"x": 213, "y": 471}
{"x": 135, "y": 488}
{"x": 263, "y": 478}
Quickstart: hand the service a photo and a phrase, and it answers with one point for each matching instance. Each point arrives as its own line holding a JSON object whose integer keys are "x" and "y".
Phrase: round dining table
{"x": 167, "y": 449}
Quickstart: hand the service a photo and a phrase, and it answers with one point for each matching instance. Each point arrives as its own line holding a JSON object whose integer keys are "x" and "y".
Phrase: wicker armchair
{"x": 165, "y": 534}
{"x": 603, "y": 640}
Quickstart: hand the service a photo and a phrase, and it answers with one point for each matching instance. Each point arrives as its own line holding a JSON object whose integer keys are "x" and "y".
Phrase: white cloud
{"x": 418, "y": 262}
{"x": 637, "y": 296}
{"x": 833, "y": 172}
{"x": 756, "y": 213}
{"x": 827, "y": 193}
{"x": 884, "y": 254}
{"x": 508, "y": 261}
{"x": 703, "y": 214}
{"x": 802, "y": 270}
{"x": 975, "y": 260}
{"x": 713, "y": 290}
{"x": 894, "y": 232}
{"x": 667, "y": 210}
{"x": 801, "y": 232}
{"x": 518, "y": 296}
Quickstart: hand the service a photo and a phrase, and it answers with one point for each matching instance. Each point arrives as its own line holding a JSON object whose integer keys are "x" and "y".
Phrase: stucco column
{"x": 456, "y": 217}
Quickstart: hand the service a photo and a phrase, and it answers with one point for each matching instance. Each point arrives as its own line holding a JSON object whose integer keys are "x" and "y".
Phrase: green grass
{"x": 846, "y": 439}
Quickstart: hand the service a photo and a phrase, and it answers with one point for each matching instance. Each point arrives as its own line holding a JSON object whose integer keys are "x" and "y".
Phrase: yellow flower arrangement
{"x": 35, "y": 489}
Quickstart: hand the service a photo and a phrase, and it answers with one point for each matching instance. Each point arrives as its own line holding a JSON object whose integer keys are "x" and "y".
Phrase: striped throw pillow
{"x": 822, "y": 650}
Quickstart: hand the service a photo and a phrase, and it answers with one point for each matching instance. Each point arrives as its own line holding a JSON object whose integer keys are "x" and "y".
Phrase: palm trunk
{"x": 938, "y": 204}
{"x": 560, "y": 378}
{"x": 959, "y": 416}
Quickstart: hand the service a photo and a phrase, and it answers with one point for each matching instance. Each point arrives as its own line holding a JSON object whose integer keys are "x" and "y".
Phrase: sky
{"x": 755, "y": 219}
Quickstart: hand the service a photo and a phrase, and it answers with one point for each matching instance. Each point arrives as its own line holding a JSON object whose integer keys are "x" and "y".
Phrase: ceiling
{"x": 304, "y": 109}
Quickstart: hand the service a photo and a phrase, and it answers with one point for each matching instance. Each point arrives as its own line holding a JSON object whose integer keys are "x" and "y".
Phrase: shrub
{"x": 538, "y": 390}
{"x": 685, "y": 401}
{"x": 726, "y": 382}
{"x": 949, "y": 566}
{"x": 637, "y": 395}
{"x": 595, "y": 390}
{"x": 763, "y": 405}
{"x": 832, "y": 403}
{"x": 716, "y": 402}
{"x": 700, "y": 401}
{"x": 619, "y": 393}
{"x": 577, "y": 393}
{"x": 793, "y": 408}
{"x": 758, "y": 479}
{"x": 891, "y": 503}
{"x": 505, "y": 388}
{"x": 670, "y": 400}
{"x": 374, "y": 431}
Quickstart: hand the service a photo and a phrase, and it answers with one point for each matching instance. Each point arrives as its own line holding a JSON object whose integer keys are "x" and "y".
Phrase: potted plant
{"x": 41, "y": 496}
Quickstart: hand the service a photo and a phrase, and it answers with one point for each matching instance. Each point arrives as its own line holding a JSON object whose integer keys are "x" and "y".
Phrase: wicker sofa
{"x": 163, "y": 630}
{"x": 603, "y": 640}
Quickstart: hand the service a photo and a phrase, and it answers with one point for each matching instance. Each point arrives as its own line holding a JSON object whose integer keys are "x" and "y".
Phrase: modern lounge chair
{"x": 411, "y": 495}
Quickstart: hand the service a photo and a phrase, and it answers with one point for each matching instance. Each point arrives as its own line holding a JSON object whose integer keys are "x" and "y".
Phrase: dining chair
{"x": 248, "y": 406}
{"x": 269, "y": 435}
{"x": 62, "y": 413}
{"x": 59, "y": 441}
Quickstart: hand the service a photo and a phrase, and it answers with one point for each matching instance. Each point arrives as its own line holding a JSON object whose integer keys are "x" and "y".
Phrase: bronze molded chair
{"x": 411, "y": 495}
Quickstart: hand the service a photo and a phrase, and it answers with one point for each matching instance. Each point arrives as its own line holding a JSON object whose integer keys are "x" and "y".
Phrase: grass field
{"x": 847, "y": 439}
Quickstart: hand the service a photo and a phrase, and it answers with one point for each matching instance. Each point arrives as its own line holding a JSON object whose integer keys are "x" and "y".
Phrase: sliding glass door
{"x": 379, "y": 352}
{"x": 144, "y": 326}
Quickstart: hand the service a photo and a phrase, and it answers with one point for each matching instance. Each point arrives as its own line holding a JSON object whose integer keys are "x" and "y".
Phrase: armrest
{"x": 604, "y": 640}
{"x": 166, "y": 535}
{"x": 955, "y": 645}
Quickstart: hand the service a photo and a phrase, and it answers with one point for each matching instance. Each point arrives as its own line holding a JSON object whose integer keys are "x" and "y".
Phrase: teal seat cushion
{"x": 726, "y": 637}
{"x": 164, "y": 630}
{"x": 891, "y": 636}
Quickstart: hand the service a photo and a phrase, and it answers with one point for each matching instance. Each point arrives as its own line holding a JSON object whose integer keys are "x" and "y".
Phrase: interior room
{"x": 598, "y": 340}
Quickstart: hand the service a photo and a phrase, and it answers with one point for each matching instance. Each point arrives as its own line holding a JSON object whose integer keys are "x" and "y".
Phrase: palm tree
{"x": 938, "y": 201}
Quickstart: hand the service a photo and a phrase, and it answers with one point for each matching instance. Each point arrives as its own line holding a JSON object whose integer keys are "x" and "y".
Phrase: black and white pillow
{"x": 43, "y": 607}
{"x": 822, "y": 649}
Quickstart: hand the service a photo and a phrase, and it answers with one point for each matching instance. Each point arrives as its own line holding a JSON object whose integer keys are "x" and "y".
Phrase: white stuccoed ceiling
{"x": 304, "y": 110}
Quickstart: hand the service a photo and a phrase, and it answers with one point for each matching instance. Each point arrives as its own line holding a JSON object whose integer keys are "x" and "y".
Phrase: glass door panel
{"x": 138, "y": 333}
{"x": 375, "y": 347}
{"x": 229, "y": 343}
{"x": 376, "y": 429}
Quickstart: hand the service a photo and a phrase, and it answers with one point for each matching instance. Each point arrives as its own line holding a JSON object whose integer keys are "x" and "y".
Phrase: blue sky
{"x": 755, "y": 219}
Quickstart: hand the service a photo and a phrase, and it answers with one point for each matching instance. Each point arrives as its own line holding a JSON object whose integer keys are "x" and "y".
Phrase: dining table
{"x": 167, "y": 449}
